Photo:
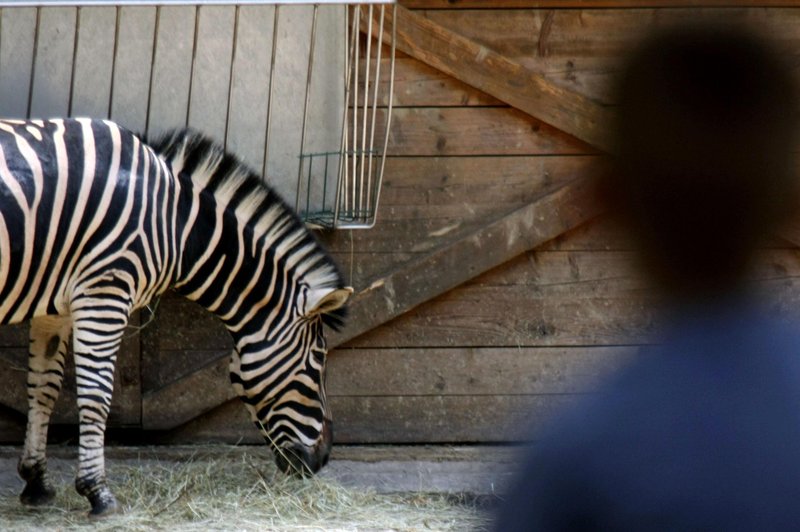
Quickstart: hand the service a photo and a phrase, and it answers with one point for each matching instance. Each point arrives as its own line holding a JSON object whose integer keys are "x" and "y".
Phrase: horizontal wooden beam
{"x": 469, "y": 256}
{"x": 501, "y": 77}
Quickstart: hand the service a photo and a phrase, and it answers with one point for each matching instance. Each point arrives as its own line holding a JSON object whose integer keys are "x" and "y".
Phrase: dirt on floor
{"x": 222, "y": 487}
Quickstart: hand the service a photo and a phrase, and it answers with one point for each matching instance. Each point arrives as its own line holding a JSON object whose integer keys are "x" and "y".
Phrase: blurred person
{"x": 702, "y": 430}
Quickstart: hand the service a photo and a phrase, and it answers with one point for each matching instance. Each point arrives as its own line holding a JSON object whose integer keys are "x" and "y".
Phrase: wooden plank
{"x": 208, "y": 100}
{"x": 491, "y": 180}
{"x": 94, "y": 62}
{"x": 185, "y": 325}
{"x": 12, "y": 427}
{"x": 133, "y": 61}
{"x": 467, "y": 257}
{"x": 580, "y": 49}
{"x": 14, "y": 336}
{"x": 502, "y": 78}
{"x": 459, "y": 131}
{"x": 172, "y": 68}
{"x": 247, "y": 123}
{"x": 17, "y": 34}
{"x": 187, "y": 398}
{"x": 426, "y": 419}
{"x": 560, "y": 299}
{"x": 125, "y": 404}
{"x": 52, "y": 70}
{"x": 417, "y": 84}
{"x": 471, "y": 370}
{"x": 444, "y": 418}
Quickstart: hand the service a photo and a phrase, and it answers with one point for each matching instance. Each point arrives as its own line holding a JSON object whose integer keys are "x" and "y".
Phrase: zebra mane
{"x": 192, "y": 155}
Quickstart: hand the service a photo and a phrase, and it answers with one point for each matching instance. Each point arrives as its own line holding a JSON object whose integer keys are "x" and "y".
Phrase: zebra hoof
{"x": 37, "y": 492}
{"x": 104, "y": 504}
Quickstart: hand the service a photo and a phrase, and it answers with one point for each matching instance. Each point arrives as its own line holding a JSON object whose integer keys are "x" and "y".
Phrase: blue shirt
{"x": 700, "y": 433}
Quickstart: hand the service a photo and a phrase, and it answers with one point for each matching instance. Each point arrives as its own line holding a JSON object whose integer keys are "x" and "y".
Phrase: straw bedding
{"x": 241, "y": 491}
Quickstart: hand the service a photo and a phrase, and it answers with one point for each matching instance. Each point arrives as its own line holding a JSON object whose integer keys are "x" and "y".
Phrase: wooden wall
{"x": 155, "y": 68}
{"x": 532, "y": 327}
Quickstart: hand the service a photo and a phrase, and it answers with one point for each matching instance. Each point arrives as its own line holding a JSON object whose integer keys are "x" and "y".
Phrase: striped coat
{"x": 94, "y": 223}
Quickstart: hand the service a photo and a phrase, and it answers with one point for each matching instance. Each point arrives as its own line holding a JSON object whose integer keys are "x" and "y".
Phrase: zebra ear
{"x": 327, "y": 300}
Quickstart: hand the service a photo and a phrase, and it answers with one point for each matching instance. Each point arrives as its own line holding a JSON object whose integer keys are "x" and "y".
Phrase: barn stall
{"x": 490, "y": 293}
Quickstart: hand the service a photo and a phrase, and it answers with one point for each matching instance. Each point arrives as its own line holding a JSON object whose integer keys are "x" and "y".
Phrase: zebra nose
{"x": 301, "y": 461}
{"x": 297, "y": 460}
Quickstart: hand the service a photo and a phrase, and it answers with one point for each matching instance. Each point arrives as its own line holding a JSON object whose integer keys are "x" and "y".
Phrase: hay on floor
{"x": 241, "y": 491}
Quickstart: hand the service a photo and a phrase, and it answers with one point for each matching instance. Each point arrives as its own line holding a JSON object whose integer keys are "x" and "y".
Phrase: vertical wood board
{"x": 17, "y": 34}
{"x": 172, "y": 68}
{"x": 132, "y": 67}
{"x": 53, "y": 60}
{"x": 247, "y": 121}
{"x": 210, "y": 83}
{"x": 94, "y": 62}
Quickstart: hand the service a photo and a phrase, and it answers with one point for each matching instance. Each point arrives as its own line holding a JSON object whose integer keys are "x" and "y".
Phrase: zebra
{"x": 95, "y": 223}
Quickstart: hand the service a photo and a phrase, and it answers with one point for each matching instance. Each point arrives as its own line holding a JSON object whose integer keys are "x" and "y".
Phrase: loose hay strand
{"x": 237, "y": 491}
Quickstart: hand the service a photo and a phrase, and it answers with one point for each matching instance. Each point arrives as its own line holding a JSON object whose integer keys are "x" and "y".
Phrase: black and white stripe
{"x": 94, "y": 224}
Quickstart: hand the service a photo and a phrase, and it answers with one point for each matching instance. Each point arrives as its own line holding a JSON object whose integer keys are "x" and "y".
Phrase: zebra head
{"x": 248, "y": 258}
{"x": 282, "y": 383}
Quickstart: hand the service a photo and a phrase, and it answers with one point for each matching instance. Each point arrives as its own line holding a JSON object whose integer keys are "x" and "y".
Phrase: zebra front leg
{"x": 97, "y": 333}
{"x": 47, "y": 350}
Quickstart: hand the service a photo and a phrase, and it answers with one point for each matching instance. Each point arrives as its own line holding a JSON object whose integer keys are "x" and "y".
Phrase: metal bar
{"x": 308, "y": 99}
{"x": 152, "y": 64}
{"x": 364, "y": 148}
{"x": 87, "y": 3}
{"x": 75, "y": 39}
{"x": 114, "y": 53}
{"x": 231, "y": 72}
{"x": 308, "y": 185}
{"x": 33, "y": 62}
{"x": 356, "y": 16}
{"x": 197, "y": 12}
{"x": 341, "y": 189}
{"x": 388, "y": 119}
{"x": 375, "y": 104}
{"x": 270, "y": 91}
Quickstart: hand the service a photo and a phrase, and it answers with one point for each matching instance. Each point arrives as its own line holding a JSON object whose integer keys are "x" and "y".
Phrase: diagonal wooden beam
{"x": 501, "y": 77}
{"x": 465, "y": 258}
{"x": 446, "y": 267}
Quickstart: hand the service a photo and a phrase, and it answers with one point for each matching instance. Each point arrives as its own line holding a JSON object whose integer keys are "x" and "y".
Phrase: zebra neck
{"x": 244, "y": 271}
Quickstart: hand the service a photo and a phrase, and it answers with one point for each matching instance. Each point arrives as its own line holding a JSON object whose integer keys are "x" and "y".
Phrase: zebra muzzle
{"x": 302, "y": 461}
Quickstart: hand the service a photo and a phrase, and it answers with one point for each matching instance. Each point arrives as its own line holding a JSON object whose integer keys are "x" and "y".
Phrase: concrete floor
{"x": 479, "y": 472}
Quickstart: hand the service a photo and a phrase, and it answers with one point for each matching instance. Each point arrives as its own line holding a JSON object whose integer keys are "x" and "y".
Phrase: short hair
{"x": 704, "y": 138}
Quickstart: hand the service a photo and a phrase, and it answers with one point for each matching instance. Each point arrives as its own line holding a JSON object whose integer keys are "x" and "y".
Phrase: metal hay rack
{"x": 344, "y": 129}
{"x": 355, "y": 171}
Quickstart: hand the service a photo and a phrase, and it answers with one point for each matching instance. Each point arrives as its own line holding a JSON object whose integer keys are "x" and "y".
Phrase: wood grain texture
{"x": 17, "y": 34}
{"x": 471, "y": 370}
{"x": 53, "y": 57}
{"x": 94, "y": 62}
{"x": 460, "y": 131}
{"x": 133, "y": 63}
{"x": 211, "y": 68}
{"x": 432, "y": 419}
{"x": 469, "y": 256}
{"x": 125, "y": 404}
{"x": 171, "y": 68}
{"x": 501, "y": 77}
{"x": 247, "y": 123}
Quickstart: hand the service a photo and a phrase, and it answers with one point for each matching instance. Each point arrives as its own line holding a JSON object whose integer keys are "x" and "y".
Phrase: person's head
{"x": 704, "y": 164}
